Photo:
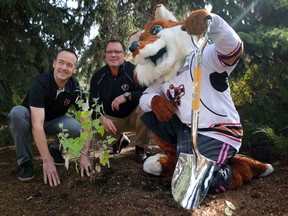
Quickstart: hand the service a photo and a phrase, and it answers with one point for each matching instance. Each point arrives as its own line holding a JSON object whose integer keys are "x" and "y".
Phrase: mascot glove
{"x": 195, "y": 23}
{"x": 162, "y": 108}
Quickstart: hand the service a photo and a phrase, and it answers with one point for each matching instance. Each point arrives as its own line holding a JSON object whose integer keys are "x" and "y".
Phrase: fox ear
{"x": 134, "y": 37}
{"x": 161, "y": 12}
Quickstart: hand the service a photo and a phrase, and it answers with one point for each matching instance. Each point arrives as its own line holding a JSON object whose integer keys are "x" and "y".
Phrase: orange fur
{"x": 162, "y": 108}
{"x": 168, "y": 162}
{"x": 195, "y": 23}
{"x": 244, "y": 170}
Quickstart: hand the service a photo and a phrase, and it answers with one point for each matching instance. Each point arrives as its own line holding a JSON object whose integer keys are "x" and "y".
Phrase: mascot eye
{"x": 156, "y": 29}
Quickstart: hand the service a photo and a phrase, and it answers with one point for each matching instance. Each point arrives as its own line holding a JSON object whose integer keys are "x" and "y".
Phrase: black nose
{"x": 133, "y": 46}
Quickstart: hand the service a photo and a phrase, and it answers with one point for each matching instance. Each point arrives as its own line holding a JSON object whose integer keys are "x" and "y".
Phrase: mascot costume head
{"x": 163, "y": 53}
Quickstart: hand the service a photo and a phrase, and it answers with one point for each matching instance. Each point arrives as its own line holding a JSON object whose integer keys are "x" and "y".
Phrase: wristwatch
{"x": 85, "y": 151}
{"x": 127, "y": 95}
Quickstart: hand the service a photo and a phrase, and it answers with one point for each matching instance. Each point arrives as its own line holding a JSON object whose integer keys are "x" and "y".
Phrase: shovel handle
{"x": 198, "y": 70}
{"x": 197, "y": 86}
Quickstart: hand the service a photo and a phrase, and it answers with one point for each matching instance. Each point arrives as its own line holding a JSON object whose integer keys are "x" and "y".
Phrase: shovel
{"x": 193, "y": 172}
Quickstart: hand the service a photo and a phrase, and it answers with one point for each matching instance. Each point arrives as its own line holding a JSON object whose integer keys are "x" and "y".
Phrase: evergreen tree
{"x": 33, "y": 30}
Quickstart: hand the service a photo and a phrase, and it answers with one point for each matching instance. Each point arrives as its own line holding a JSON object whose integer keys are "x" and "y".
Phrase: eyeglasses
{"x": 114, "y": 51}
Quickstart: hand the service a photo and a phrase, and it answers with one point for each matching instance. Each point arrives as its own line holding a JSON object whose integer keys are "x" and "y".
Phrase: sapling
{"x": 90, "y": 127}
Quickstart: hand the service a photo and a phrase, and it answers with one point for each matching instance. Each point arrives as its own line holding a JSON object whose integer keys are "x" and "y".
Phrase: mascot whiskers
{"x": 164, "y": 57}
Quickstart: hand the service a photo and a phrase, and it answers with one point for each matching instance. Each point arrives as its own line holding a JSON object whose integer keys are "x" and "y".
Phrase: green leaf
{"x": 230, "y": 205}
{"x": 98, "y": 168}
{"x": 228, "y": 211}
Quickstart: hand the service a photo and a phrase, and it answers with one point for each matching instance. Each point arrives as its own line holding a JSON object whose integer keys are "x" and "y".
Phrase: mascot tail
{"x": 245, "y": 169}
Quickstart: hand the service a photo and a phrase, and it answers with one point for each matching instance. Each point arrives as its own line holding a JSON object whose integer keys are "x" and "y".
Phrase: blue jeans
{"x": 21, "y": 129}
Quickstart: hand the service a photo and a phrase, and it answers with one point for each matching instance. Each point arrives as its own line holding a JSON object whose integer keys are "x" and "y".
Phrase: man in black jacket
{"x": 114, "y": 87}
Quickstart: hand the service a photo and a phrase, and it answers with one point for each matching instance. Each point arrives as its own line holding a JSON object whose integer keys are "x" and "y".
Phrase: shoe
{"x": 140, "y": 154}
{"x": 57, "y": 157}
{"x": 123, "y": 142}
{"x": 26, "y": 172}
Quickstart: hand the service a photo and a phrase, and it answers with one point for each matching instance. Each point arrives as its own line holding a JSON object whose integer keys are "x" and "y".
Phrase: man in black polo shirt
{"x": 43, "y": 109}
{"x": 114, "y": 87}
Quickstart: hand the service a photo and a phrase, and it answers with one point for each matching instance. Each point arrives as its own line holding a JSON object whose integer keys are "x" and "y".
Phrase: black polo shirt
{"x": 104, "y": 88}
{"x": 43, "y": 91}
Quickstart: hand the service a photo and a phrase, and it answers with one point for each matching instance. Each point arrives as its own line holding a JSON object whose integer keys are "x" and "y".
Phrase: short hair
{"x": 68, "y": 50}
{"x": 116, "y": 41}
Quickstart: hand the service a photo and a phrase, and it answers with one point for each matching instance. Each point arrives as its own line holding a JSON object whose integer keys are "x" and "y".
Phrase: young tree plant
{"x": 73, "y": 146}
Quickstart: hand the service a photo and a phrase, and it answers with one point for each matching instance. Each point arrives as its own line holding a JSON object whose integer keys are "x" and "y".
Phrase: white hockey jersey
{"x": 218, "y": 117}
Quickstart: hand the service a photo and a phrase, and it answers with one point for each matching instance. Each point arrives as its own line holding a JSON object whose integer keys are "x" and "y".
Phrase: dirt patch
{"x": 125, "y": 189}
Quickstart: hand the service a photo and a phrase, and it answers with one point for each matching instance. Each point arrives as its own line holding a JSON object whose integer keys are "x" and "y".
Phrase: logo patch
{"x": 66, "y": 102}
{"x": 125, "y": 87}
{"x": 175, "y": 93}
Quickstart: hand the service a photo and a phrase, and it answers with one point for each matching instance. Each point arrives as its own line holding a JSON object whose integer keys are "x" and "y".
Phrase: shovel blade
{"x": 191, "y": 179}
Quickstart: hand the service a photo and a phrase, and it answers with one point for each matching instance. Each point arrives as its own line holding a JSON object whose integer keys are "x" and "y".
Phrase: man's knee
{"x": 74, "y": 127}
{"x": 18, "y": 114}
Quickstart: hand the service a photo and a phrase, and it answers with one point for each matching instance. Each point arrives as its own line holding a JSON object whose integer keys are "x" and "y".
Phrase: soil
{"x": 125, "y": 189}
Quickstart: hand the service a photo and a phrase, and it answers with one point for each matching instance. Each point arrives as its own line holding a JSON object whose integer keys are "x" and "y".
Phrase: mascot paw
{"x": 195, "y": 23}
{"x": 152, "y": 166}
{"x": 162, "y": 108}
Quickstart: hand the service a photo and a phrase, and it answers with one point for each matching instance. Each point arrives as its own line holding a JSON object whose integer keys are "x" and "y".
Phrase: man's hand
{"x": 85, "y": 165}
{"x": 108, "y": 125}
{"x": 50, "y": 173}
{"x": 117, "y": 101}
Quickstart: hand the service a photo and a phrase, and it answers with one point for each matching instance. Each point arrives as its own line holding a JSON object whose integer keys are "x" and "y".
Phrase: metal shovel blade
{"x": 191, "y": 179}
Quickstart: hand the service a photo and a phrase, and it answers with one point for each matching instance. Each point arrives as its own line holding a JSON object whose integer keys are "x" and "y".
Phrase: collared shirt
{"x": 43, "y": 94}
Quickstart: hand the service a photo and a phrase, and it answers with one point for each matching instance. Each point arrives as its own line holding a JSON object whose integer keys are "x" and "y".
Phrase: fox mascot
{"x": 164, "y": 56}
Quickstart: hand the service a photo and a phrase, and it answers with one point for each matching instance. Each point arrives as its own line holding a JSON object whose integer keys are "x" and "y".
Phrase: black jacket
{"x": 104, "y": 88}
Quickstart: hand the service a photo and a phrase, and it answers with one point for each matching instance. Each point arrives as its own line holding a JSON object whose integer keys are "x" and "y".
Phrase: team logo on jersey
{"x": 125, "y": 87}
{"x": 175, "y": 93}
{"x": 66, "y": 102}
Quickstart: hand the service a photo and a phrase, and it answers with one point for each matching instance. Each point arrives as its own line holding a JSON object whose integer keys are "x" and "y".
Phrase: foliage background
{"x": 33, "y": 30}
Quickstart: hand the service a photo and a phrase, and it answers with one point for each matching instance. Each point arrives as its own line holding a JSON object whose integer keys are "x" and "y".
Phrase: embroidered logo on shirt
{"x": 125, "y": 87}
{"x": 66, "y": 102}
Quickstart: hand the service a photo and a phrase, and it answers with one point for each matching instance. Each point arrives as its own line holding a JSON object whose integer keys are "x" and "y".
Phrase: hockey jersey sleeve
{"x": 227, "y": 43}
{"x": 145, "y": 100}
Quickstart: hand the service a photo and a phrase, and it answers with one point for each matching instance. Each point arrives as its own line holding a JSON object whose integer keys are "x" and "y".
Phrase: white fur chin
{"x": 152, "y": 166}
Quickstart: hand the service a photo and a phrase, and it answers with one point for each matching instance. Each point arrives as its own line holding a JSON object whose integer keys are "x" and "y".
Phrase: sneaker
{"x": 57, "y": 157}
{"x": 123, "y": 142}
{"x": 140, "y": 155}
{"x": 26, "y": 172}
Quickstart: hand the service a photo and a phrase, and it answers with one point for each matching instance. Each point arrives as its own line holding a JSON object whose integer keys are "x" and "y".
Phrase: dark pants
{"x": 20, "y": 127}
{"x": 175, "y": 132}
